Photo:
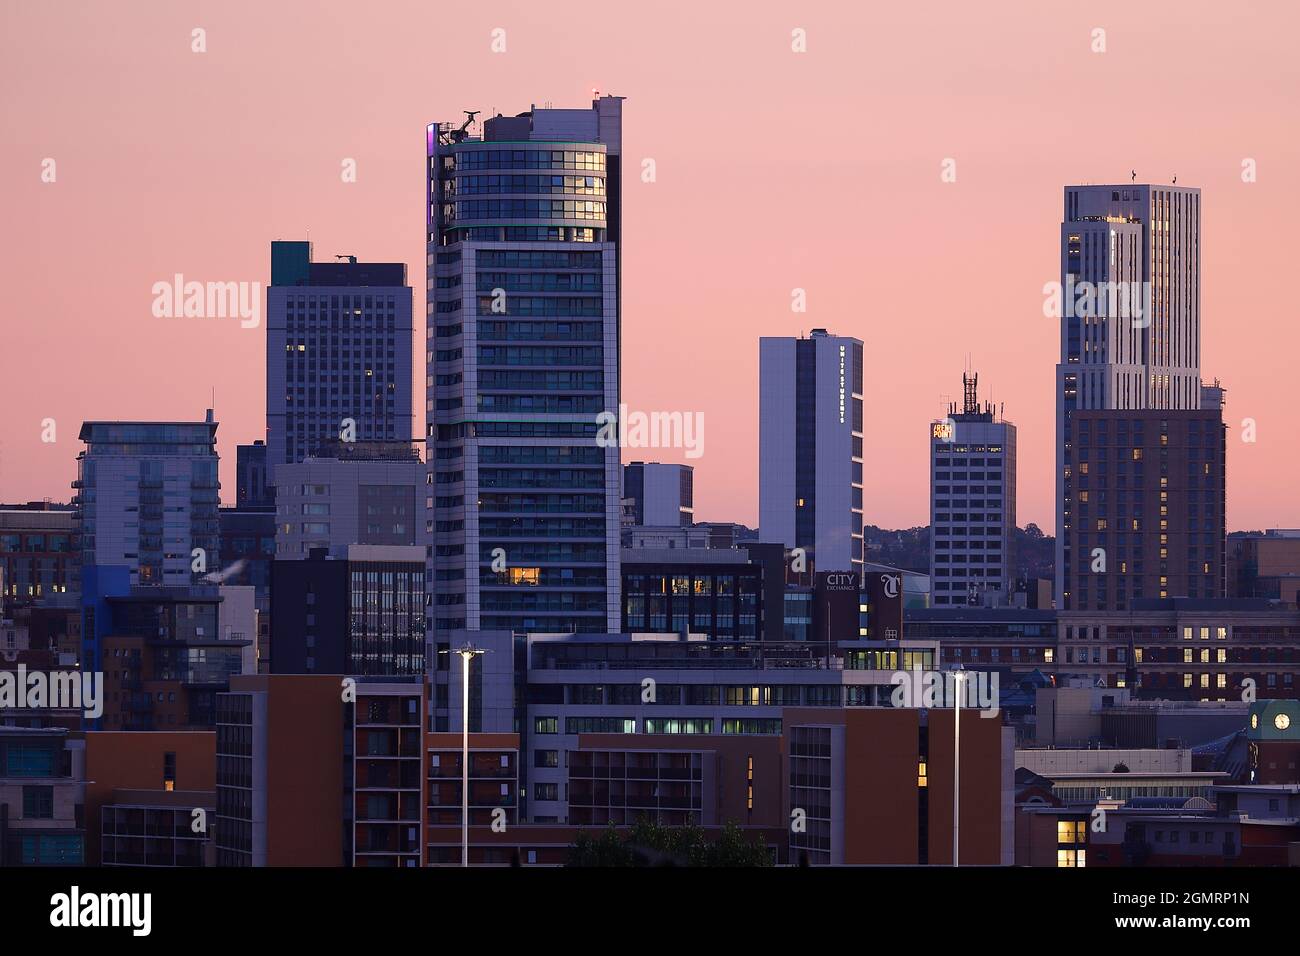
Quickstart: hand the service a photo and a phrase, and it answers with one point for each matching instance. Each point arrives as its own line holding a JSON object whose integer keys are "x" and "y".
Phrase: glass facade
{"x": 342, "y": 361}
{"x": 722, "y": 603}
{"x": 386, "y": 620}
{"x": 38, "y": 555}
{"x": 523, "y": 326}
{"x": 148, "y": 498}
{"x": 339, "y": 348}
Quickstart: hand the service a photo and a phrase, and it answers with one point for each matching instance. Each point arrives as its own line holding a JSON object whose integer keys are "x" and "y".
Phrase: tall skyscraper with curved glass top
{"x": 522, "y": 502}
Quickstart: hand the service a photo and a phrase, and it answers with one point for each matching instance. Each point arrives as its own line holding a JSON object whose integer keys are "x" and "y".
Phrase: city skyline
{"x": 178, "y": 203}
{"x": 623, "y": 548}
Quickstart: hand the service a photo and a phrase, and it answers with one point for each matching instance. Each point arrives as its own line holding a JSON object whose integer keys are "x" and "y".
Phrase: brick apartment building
{"x": 1145, "y": 497}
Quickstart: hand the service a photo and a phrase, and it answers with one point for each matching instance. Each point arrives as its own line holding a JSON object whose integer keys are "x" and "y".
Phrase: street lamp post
{"x": 958, "y": 688}
{"x": 467, "y": 654}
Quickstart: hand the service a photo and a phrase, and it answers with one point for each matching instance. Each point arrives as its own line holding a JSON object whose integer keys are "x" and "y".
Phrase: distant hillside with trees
{"x": 909, "y": 548}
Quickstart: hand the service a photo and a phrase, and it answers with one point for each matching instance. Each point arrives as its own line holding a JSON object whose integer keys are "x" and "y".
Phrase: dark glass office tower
{"x": 338, "y": 348}
{"x": 523, "y": 357}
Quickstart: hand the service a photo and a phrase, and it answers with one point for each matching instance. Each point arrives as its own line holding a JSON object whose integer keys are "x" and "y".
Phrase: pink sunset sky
{"x": 775, "y": 170}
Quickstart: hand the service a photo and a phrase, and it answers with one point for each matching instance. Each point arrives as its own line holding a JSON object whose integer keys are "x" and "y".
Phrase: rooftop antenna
{"x": 459, "y": 135}
{"x": 970, "y": 402}
{"x": 1133, "y": 175}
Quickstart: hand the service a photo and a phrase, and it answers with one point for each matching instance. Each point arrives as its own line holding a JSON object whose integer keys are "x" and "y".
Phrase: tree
{"x": 607, "y": 849}
{"x": 650, "y": 844}
{"x": 732, "y": 849}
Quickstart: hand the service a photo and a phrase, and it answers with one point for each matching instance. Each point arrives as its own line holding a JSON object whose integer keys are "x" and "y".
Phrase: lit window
{"x": 527, "y": 576}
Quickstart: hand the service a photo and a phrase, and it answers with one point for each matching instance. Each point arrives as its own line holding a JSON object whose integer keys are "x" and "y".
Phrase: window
{"x": 47, "y": 849}
{"x": 38, "y": 803}
{"x": 21, "y": 761}
{"x": 1070, "y": 831}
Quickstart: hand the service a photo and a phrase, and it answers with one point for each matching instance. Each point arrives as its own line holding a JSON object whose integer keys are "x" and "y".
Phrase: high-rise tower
{"x": 338, "y": 353}
{"x": 1130, "y": 318}
{"x": 522, "y": 501}
{"x": 972, "y": 503}
{"x": 147, "y": 499}
{"x": 810, "y": 447}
